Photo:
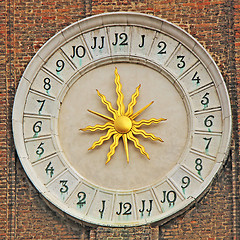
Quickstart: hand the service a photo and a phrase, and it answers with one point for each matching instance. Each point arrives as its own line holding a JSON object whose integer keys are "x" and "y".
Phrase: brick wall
{"x": 3, "y": 104}
{"x": 25, "y": 26}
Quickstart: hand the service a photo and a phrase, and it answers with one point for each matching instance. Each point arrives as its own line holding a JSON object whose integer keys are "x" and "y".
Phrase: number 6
{"x": 37, "y": 127}
{"x": 208, "y": 122}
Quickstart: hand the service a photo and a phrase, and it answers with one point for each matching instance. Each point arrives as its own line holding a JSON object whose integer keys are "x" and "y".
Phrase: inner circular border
{"x": 134, "y": 60}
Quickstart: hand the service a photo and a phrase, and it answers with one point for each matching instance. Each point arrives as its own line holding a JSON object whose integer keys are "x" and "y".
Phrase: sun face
{"x": 122, "y": 124}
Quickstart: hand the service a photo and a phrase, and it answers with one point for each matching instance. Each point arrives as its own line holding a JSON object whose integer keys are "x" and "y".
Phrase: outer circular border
{"x": 110, "y": 19}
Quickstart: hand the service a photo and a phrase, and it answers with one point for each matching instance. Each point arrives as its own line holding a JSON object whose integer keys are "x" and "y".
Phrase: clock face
{"x": 122, "y": 119}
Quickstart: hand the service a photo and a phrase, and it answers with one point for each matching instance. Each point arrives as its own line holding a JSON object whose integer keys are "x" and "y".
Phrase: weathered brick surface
{"x": 137, "y": 233}
{"x": 3, "y": 127}
{"x": 25, "y": 26}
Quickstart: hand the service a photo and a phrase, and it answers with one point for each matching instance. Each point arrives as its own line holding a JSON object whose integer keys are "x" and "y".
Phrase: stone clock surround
{"x": 106, "y": 20}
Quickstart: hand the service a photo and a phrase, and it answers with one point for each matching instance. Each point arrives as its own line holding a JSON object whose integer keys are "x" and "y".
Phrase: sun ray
{"x": 133, "y": 102}
{"x": 137, "y": 144}
{"x": 146, "y": 135}
{"x": 121, "y": 107}
{"x": 113, "y": 146}
{"x": 147, "y": 122}
{"x": 103, "y": 138}
{"x": 101, "y": 115}
{"x": 125, "y": 142}
{"x": 141, "y": 110}
{"x": 98, "y": 127}
{"x": 108, "y": 104}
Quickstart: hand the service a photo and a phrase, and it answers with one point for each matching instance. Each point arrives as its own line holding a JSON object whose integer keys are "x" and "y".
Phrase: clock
{"x": 122, "y": 119}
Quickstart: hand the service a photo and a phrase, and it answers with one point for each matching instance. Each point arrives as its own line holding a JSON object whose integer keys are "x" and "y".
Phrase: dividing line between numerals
{"x": 208, "y": 133}
{"x": 154, "y": 39}
{"x": 95, "y": 193}
{"x": 194, "y": 151}
{"x": 113, "y": 206}
{"x": 188, "y": 171}
{"x": 215, "y": 109}
{"x": 205, "y": 87}
{"x": 45, "y": 159}
{"x": 74, "y": 191}
{"x": 33, "y": 91}
{"x": 173, "y": 54}
{"x": 47, "y": 71}
{"x": 56, "y": 178}
{"x": 155, "y": 200}
{"x": 175, "y": 188}
{"x": 26, "y": 140}
{"x": 33, "y": 115}
{"x": 189, "y": 70}
{"x": 72, "y": 65}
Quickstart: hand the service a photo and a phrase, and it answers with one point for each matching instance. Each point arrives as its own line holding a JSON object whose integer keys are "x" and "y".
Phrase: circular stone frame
{"x": 108, "y": 20}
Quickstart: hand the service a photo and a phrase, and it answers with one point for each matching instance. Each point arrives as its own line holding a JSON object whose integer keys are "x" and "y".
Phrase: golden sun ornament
{"x": 122, "y": 124}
